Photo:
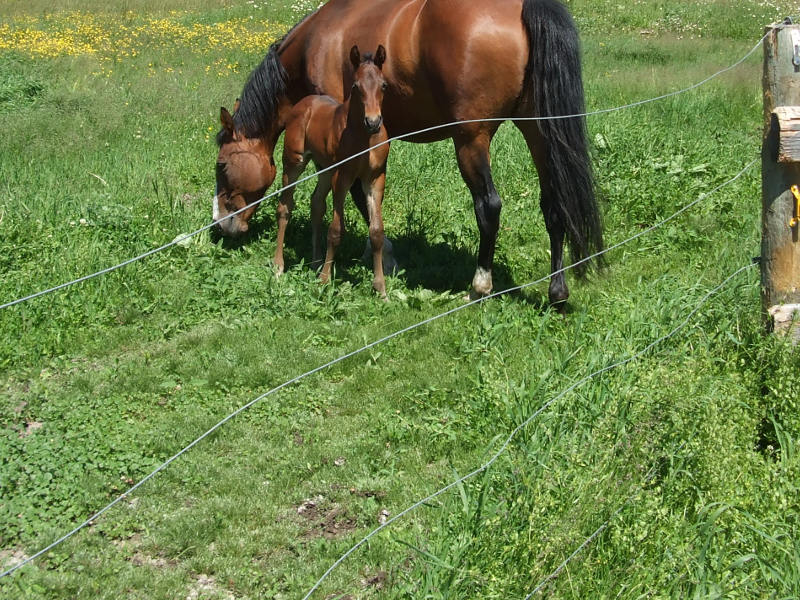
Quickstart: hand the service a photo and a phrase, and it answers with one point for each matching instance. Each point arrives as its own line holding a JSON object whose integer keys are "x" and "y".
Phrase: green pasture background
{"x": 108, "y": 112}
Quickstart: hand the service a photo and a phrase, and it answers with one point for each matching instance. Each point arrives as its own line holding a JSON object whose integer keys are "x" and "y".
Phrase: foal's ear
{"x": 355, "y": 56}
{"x": 380, "y": 56}
{"x": 226, "y": 119}
{"x": 236, "y": 106}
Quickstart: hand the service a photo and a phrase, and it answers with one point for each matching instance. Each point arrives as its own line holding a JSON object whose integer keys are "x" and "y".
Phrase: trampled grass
{"x": 108, "y": 113}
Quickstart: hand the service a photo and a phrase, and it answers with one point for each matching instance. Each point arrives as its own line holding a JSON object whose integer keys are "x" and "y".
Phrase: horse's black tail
{"x": 554, "y": 80}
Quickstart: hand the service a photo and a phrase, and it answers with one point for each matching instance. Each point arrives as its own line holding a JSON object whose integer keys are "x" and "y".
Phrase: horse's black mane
{"x": 258, "y": 104}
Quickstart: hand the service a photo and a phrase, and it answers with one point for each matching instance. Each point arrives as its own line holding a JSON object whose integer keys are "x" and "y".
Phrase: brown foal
{"x": 327, "y": 132}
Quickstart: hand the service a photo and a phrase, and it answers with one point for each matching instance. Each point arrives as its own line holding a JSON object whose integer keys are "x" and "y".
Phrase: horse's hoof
{"x": 474, "y": 296}
{"x": 481, "y": 283}
{"x": 557, "y": 293}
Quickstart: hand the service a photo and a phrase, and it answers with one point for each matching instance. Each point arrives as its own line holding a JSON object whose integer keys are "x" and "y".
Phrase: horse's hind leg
{"x": 473, "y": 161}
{"x": 558, "y": 291}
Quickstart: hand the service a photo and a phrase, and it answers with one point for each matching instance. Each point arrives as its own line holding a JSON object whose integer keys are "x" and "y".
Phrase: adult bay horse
{"x": 448, "y": 60}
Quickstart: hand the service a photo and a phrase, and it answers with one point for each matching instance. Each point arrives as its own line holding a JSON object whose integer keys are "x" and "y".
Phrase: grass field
{"x": 689, "y": 453}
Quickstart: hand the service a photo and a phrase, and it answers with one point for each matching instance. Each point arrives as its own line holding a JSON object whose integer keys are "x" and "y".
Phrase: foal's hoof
{"x": 381, "y": 291}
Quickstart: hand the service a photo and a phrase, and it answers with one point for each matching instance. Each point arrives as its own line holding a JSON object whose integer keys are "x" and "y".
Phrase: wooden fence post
{"x": 780, "y": 171}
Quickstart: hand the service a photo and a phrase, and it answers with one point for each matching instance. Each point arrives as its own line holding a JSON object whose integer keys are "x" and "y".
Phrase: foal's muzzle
{"x": 373, "y": 125}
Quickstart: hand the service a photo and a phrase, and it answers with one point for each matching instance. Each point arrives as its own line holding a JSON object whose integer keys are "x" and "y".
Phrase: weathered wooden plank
{"x": 780, "y": 170}
{"x": 788, "y": 126}
{"x": 789, "y": 148}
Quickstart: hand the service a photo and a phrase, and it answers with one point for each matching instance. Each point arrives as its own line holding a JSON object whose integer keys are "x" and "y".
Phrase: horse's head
{"x": 245, "y": 169}
{"x": 369, "y": 86}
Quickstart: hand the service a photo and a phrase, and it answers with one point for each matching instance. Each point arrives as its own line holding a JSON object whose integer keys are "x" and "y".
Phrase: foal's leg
{"x": 293, "y": 164}
{"x": 374, "y": 193}
{"x": 340, "y": 182}
{"x": 558, "y": 291}
{"x": 473, "y": 160}
{"x": 357, "y": 192}
{"x": 318, "y": 208}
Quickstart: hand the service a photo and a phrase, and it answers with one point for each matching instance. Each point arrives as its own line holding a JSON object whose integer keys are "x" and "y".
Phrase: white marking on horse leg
{"x": 482, "y": 282}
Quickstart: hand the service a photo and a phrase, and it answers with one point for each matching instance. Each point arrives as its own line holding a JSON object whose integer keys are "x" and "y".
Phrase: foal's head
{"x": 368, "y": 86}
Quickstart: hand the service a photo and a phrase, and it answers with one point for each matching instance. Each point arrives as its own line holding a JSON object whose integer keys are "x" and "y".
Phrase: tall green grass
{"x": 696, "y": 441}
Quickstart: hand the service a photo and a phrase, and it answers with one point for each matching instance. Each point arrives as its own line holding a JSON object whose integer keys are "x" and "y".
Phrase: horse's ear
{"x": 355, "y": 56}
{"x": 226, "y": 119}
{"x": 236, "y": 106}
{"x": 380, "y": 56}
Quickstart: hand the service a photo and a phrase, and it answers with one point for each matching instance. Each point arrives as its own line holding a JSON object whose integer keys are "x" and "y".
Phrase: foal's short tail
{"x": 553, "y": 78}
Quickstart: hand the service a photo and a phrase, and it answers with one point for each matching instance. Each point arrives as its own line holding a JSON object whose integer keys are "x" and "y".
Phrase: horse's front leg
{"x": 473, "y": 161}
{"x": 374, "y": 194}
{"x": 293, "y": 164}
{"x": 340, "y": 182}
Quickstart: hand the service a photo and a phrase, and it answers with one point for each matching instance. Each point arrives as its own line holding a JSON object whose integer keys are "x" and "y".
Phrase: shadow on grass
{"x": 435, "y": 266}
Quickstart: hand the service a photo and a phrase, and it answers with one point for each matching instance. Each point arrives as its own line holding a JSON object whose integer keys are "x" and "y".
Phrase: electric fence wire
{"x": 182, "y": 238}
{"x": 592, "y": 536}
{"x": 354, "y": 353}
{"x": 577, "y": 551}
{"x": 524, "y": 424}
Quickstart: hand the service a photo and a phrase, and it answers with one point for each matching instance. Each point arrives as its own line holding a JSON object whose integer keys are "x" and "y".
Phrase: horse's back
{"x": 446, "y": 59}
{"x": 475, "y": 53}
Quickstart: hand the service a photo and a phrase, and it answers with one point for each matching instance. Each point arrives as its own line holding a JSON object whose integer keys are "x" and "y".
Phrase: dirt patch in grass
{"x": 11, "y": 558}
{"x": 375, "y": 580}
{"x": 328, "y": 521}
{"x": 205, "y": 586}
{"x": 30, "y": 427}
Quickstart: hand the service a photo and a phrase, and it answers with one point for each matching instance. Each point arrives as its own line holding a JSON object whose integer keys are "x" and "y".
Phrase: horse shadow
{"x": 441, "y": 267}
{"x": 437, "y": 266}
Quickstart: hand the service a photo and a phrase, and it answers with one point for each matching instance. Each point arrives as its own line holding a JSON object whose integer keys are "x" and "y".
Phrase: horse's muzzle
{"x": 231, "y": 227}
